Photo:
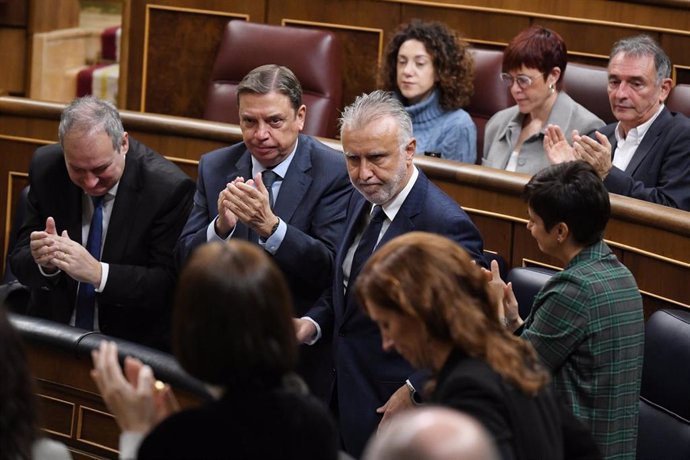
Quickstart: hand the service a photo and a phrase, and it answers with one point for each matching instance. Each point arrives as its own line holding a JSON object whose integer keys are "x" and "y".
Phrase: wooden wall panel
{"x": 13, "y": 59}
{"x": 174, "y": 72}
{"x": 252, "y": 9}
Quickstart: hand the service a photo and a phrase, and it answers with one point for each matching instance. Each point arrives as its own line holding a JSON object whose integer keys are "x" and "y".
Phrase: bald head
{"x": 432, "y": 433}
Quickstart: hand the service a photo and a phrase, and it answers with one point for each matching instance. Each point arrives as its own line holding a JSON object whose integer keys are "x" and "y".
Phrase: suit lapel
{"x": 650, "y": 139}
{"x": 354, "y": 212}
{"x": 403, "y": 223}
{"x": 296, "y": 182}
{"x": 411, "y": 207}
{"x": 124, "y": 214}
{"x": 241, "y": 168}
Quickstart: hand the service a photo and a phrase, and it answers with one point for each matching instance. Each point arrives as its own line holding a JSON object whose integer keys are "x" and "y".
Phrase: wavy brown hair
{"x": 432, "y": 279}
{"x": 453, "y": 63}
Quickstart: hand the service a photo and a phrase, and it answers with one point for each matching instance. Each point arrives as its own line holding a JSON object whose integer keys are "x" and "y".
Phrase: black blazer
{"x": 152, "y": 204}
{"x": 659, "y": 171}
{"x": 366, "y": 375}
{"x": 523, "y": 427}
{"x": 276, "y": 424}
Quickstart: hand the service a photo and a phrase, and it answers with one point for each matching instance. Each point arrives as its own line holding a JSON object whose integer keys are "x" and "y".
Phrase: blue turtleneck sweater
{"x": 450, "y": 133}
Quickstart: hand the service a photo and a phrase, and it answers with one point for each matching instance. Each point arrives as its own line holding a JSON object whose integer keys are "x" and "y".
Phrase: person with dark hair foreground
{"x": 533, "y": 68}
{"x": 232, "y": 328}
{"x": 430, "y": 69}
{"x": 20, "y": 437}
{"x": 434, "y": 306}
{"x": 587, "y": 323}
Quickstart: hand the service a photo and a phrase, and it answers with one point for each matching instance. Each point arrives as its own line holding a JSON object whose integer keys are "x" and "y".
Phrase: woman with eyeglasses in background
{"x": 533, "y": 67}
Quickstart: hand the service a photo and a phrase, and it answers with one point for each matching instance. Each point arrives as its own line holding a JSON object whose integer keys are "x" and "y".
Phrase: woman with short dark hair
{"x": 232, "y": 328}
{"x": 533, "y": 68}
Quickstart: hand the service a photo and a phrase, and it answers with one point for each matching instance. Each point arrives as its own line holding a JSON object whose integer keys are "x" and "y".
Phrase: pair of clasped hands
{"x": 53, "y": 252}
{"x": 595, "y": 152}
{"x": 248, "y": 202}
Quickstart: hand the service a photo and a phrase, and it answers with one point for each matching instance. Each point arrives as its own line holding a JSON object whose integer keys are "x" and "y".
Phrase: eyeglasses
{"x": 523, "y": 81}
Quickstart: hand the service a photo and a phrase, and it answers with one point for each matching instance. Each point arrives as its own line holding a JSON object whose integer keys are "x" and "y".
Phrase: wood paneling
{"x": 13, "y": 59}
{"x": 136, "y": 20}
{"x": 174, "y": 72}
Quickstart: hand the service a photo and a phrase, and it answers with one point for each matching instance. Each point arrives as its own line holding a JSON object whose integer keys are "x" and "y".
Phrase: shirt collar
{"x": 393, "y": 206}
{"x": 280, "y": 169}
{"x": 637, "y": 133}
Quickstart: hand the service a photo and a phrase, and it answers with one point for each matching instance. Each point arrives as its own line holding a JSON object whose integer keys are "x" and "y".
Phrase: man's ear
{"x": 410, "y": 149}
{"x": 301, "y": 116}
{"x": 124, "y": 146}
{"x": 666, "y": 85}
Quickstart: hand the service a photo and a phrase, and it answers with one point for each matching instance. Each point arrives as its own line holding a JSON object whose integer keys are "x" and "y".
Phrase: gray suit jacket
{"x": 503, "y": 129}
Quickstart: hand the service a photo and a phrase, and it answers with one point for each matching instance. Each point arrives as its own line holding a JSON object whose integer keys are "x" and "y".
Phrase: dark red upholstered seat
{"x": 586, "y": 84}
{"x": 490, "y": 94}
{"x": 313, "y": 55}
{"x": 679, "y": 99}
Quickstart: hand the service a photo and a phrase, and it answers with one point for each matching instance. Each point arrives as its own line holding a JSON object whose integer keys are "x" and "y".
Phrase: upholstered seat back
{"x": 313, "y": 55}
{"x": 490, "y": 94}
{"x": 664, "y": 427}
{"x": 587, "y": 84}
{"x": 679, "y": 99}
{"x": 527, "y": 282}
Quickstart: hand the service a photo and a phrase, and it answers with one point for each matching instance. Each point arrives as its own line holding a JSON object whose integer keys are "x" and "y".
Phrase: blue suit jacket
{"x": 366, "y": 376}
{"x": 659, "y": 171}
{"x": 312, "y": 202}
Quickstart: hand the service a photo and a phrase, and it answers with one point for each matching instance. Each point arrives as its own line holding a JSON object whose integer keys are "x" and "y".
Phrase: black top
{"x": 523, "y": 427}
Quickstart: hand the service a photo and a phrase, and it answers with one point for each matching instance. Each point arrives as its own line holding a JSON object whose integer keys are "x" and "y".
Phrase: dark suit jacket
{"x": 312, "y": 201}
{"x": 152, "y": 203}
{"x": 366, "y": 376}
{"x": 523, "y": 427}
{"x": 660, "y": 168}
{"x": 246, "y": 425}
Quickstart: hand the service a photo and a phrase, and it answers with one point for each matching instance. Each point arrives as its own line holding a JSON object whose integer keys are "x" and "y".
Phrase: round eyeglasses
{"x": 523, "y": 81}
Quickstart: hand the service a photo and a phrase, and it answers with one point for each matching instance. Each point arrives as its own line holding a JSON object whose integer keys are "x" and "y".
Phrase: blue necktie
{"x": 269, "y": 177}
{"x": 366, "y": 245}
{"x": 86, "y": 297}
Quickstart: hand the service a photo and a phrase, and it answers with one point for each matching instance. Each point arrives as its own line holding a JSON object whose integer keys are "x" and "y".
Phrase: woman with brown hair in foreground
{"x": 434, "y": 306}
{"x": 232, "y": 328}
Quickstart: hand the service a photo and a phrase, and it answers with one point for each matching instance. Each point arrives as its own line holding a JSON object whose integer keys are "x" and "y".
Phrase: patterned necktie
{"x": 269, "y": 177}
{"x": 86, "y": 296}
{"x": 367, "y": 244}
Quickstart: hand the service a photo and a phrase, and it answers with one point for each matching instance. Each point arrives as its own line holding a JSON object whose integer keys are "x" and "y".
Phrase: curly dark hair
{"x": 17, "y": 401}
{"x": 452, "y": 60}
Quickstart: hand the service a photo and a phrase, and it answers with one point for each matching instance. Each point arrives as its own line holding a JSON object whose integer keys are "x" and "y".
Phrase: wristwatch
{"x": 414, "y": 396}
